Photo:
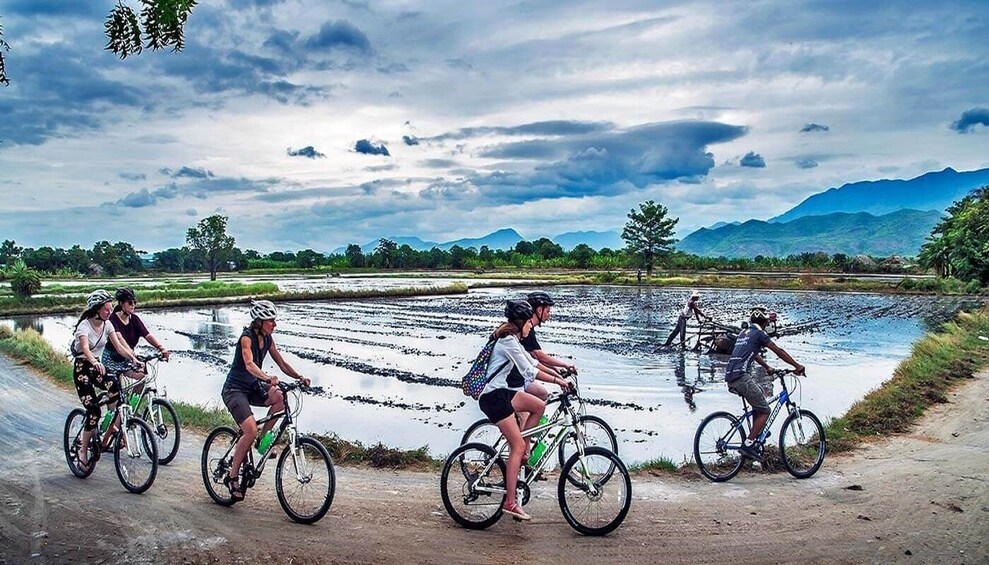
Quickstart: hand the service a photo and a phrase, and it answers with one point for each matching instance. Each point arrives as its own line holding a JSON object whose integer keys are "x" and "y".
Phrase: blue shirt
{"x": 749, "y": 343}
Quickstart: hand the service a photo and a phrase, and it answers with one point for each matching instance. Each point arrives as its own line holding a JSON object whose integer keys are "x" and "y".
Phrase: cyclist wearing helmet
{"x": 541, "y": 304}
{"x": 131, "y": 329}
{"x": 691, "y": 308}
{"x": 89, "y": 338}
{"x": 509, "y": 369}
{"x": 247, "y": 385}
{"x": 750, "y": 342}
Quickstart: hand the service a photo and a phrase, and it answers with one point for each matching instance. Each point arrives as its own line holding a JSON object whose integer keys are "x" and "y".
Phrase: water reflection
{"x": 29, "y": 323}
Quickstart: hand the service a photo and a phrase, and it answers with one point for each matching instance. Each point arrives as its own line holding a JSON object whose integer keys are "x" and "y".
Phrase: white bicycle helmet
{"x": 97, "y": 298}
{"x": 263, "y": 310}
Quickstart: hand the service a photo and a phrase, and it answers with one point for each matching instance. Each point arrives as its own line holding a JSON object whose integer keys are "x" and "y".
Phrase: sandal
{"x": 233, "y": 485}
{"x": 516, "y": 511}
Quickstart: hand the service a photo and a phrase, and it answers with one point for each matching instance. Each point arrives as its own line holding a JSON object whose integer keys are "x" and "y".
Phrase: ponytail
{"x": 89, "y": 313}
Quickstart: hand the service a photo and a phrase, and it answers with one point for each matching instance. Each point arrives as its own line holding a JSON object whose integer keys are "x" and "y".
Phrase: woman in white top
{"x": 509, "y": 371}
{"x": 92, "y": 332}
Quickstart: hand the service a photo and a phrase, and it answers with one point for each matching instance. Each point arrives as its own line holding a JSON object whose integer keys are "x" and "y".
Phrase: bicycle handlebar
{"x": 300, "y": 387}
{"x": 784, "y": 372}
{"x": 145, "y": 358}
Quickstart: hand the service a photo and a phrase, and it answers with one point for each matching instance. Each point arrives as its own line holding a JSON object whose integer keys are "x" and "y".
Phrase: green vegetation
{"x": 649, "y": 234}
{"x": 661, "y": 464}
{"x": 959, "y": 245}
{"x": 24, "y": 281}
{"x": 210, "y": 293}
{"x": 29, "y": 346}
{"x": 938, "y": 362}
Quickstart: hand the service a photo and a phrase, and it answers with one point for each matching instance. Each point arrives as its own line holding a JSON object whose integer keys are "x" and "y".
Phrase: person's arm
{"x": 252, "y": 368}
{"x": 527, "y": 366}
{"x": 798, "y": 368}
{"x": 143, "y": 331}
{"x": 551, "y": 362}
{"x": 84, "y": 347}
{"x": 698, "y": 314}
{"x": 122, "y": 348}
{"x": 758, "y": 359}
{"x": 284, "y": 366}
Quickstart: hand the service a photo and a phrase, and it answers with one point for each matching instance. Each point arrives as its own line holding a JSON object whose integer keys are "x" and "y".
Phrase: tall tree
{"x": 355, "y": 257}
{"x": 210, "y": 238}
{"x": 105, "y": 255}
{"x": 582, "y": 255}
{"x": 959, "y": 245}
{"x": 648, "y": 234}
{"x": 386, "y": 252}
{"x": 9, "y": 251}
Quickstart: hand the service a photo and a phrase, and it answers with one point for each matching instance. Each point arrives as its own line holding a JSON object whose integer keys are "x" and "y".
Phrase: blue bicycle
{"x": 801, "y": 445}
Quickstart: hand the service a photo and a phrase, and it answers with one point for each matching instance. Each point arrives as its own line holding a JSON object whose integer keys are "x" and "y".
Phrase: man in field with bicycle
{"x": 748, "y": 347}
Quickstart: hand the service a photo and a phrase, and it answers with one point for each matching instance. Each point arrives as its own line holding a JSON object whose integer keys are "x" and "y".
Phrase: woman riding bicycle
{"x": 247, "y": 385}
{"x": 89, "y": 338}
{"x": 509, "y": 371}
{"x": 130, "y": 329}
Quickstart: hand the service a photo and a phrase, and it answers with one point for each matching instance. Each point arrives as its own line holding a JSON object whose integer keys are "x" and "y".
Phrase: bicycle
{"x": 135, "y": 451}
{"x": 157, "y": 411}
{"x": 303, "y": 466}
{"x": 595, "y": 431}
{"x": 802, "y": 444}
{"x": 472, "y": 483}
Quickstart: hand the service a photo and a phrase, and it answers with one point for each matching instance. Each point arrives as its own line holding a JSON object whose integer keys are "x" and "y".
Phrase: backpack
{"x": 477, "y": 377}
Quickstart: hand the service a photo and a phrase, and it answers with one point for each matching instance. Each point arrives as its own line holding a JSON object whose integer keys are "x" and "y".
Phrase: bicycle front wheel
{"x": 466, "y": 488}
{"x": 218, "y": 453}
{"x": 716, "y": 446}
{"x": 161, "y": 416}
{"x": 305, "y": 481}
{"x": 481, "y": 431}
{"x": 596, "y": 433}
{"x": 802, "y": 444}
{"x": 72, "y": 444}
{"x": 135, "y": 455}
{"x": 598, "y": 502}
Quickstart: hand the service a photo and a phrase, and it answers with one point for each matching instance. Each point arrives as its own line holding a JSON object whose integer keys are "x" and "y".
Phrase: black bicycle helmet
{"x": 518, "y": 311}
{"x": 537, "y": 299}
{"x": 124, "y": 294}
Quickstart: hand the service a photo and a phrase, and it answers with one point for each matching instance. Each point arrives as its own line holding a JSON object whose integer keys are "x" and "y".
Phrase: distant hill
{"x": 501, "y": 239}
{"x": 898, "y": 233}
{"x": 930, "y": 191}
{"x": 595, "y": 239}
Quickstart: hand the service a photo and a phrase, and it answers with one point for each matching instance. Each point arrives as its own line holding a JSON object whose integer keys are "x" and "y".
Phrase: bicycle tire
{"x": 169, "y": 421}
{"x": 289, "y": 458}
{"x": 588, "y": 422}
{"x": 713, "y": 451}
{"x": 456, "y": 482}
{"x": 802, "y": 458}
{"x": 127, "y": 462}
{"x": 215, "y": 464}
{"x": 480, "y": 432}
{"x": 70, "y": 436}
{"x": 601, "y": 469}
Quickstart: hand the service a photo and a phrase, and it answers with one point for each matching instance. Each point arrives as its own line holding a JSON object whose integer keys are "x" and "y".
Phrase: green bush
{"x": 24, "y": 280}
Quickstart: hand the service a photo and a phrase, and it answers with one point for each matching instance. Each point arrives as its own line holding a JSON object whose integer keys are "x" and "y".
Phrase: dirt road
{"x": 920, "y": 498}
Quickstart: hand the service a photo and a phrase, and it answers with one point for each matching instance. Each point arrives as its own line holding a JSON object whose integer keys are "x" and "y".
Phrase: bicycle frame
{"x": 777, "y": 402}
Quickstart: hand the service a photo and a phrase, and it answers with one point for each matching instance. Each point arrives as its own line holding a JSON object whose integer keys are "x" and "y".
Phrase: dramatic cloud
{"x": 971, "y": 118}
{"x": 201, "y": 188}
{"x": 555, "y": 127}
{"x": 132, "y": 176}
{"x": 752, "y": 159}
{"x": 410, "y": 140}
{"x": 187, "y": 172}
{"x": 812, "y": 127}
{"x": 339, "y": 34}
{"x": 307, "y": 151}
{"x": 366, "y": 147}
{"x": 805, "y": 163}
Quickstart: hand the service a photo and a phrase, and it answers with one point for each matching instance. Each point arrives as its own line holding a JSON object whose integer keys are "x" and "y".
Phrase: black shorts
{"x": 239, "y": 401}
{"x": 497, "y": 404}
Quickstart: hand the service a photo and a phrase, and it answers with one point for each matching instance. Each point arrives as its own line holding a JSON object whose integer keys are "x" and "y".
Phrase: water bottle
{"x": 134, "y": 399}
{"x": 107, "y": 418}
{"x": 540, "y": 448}
{"x": 266, "y": 440}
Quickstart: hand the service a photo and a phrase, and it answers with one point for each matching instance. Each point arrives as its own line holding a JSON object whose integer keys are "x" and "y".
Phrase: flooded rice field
{"x": 391, "y": 368}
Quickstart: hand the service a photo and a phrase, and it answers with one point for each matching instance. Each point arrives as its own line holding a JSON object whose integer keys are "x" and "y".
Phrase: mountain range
{"x": 503, "y": 239}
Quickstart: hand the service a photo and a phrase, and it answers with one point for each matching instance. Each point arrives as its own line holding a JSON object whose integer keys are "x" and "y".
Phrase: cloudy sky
{"x": 314, "y": 123}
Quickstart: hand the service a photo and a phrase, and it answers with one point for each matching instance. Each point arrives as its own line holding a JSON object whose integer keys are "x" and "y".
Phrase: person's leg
{"x": 111, "y": 383}
{"x": 682, "y": 330}
{"x": 516, "y": 445}
{"x": 250, "y": 430}
{"x": 87, "y": 395}
{"x": 526, "y": 402}
{"x": 275, "y": 403}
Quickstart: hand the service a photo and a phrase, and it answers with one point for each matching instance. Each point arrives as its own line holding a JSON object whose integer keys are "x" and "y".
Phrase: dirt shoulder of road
{"x": 918, "y": 497}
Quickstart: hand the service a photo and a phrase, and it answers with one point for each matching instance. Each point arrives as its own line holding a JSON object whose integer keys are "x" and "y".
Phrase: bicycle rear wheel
{"x": 135, "y": 455}
{"x": 596, "y": 432}
{"x": 72, "y": 443}
{"x": 802, "y": 444}
{"x": 305, "y": 481}
{"x": 161, "y": 416}
{"x": 716, "y": 446}
{"x": 462, "y": 486}
{"x": 600, "y": 499}
{"x": 481, "y": 431}
{"x": 218, "y": 452}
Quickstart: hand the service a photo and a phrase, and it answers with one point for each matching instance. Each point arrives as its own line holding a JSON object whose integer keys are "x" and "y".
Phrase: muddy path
{"x": 921, "y": 497}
